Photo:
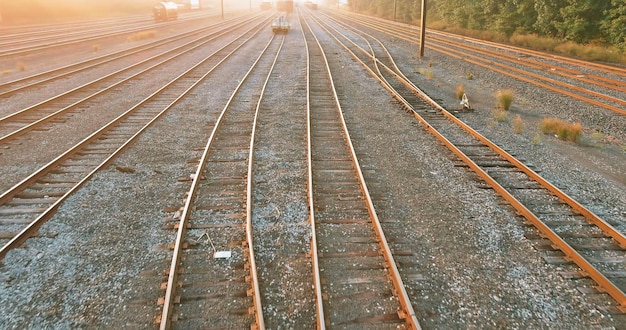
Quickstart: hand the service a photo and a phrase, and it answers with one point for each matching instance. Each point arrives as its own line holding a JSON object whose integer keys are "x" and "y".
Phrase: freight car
{"x": 165, "y": 11}
{"x": 281, "y": 24}
{"x": 285, "y": 6}
{"x": 266, "y": 5}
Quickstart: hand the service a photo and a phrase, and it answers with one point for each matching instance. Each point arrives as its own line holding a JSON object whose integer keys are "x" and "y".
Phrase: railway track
{"x": 218, "y": 205}
{"x": 26, "y": 43}
{"x": 32, "y": 201}
{"x": 19, "y": 32}
{"x": 59, "y": 108}
{"x": 604, "y": 89}
{"x": 581, "y": 237}
{"x": 128, "y": 272}
{"x": 9, "y": 88}
{"x": 357, "y": 281}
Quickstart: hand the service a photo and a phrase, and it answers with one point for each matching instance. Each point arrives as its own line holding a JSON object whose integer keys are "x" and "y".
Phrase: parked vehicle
{"x": 165, "y": 11}
{"x": 266, "y": 5}
{"x": 281, "y": 24}
{"x": 285, "y": 6}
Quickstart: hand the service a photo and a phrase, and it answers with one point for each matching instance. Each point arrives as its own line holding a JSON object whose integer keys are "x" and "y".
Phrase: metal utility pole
{"x": 394, "y": 10}
{"x": 423, "y": 28}
{"x": 222, "y": 9}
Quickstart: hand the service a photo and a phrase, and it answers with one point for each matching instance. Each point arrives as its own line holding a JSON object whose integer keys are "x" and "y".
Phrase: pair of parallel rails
{"x": 604, "y": 89}
{"x": 355, "y": 278}
{"x": 43, "y": 192}
{"x": 590, "y": 242}
{"x": 33, "y": 200}
{"x": 23, "y": 42}
{"x": 422, "y": 113}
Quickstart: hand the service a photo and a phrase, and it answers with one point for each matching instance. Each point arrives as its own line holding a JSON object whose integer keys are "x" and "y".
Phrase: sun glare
{"x": 41, "y": 11}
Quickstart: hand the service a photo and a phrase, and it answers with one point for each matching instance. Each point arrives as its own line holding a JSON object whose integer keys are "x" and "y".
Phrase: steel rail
{"x": 407, "y": 311}
{"x": 46, "y": 214}
{"x": 24, "y": 31}
{"x": 37, "y": 47}
{"x": 165, "y": 318}
{"x": 253, "y": 271}
{"x": 384, "y": 83}
{"x": 598, "y": 66}
{"x": 398, "y": 31}
{"x": 577, "y": 75}
{"x": 571, "y": 254}
{"x": 181, "y": 49}
{"x": 609, "y": 230}
{"x": 412, "y": 29}
{"x": 549, "y": 83}
{"x": 61, "y": 72}
{"x": 116, "y": 32}
{"x": 53, "y": 36}
{"x": 31, "y": 33}
{"x": 507, "y": 71}
{"x": 317, "y": 285}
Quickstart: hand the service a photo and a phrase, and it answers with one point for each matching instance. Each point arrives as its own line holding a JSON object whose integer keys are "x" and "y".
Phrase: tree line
{"x": 601, "y": 22}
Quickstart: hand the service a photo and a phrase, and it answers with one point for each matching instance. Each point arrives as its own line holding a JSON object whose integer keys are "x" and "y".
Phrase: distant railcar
{"x": 165, "y": 11}
{"x": 281, "y": 24}
{"x": 266, "y": 5}
{"x": 311, "y": 4}
{"x": 285, "y": 6}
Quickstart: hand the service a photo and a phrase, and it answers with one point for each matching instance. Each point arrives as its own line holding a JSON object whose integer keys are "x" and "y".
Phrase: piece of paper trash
{"x": 221, "y": 255}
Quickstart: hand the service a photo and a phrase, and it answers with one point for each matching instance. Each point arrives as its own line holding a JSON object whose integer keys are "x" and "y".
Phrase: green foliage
{"x": 581, "y": 21}
{"x": 614, "y": 25}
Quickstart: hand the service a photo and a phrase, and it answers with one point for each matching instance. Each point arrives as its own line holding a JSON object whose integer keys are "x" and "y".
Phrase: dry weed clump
{"x": 505, "y": 99}
{"x": 142, "y": 35}
{"x": 498, "y": 114}
{"x": 534, "y": 41}
{"x": 518, "y": 125}
{"x": 460, "y": 90}
{"x": 590, "y": 52}
{"x": 562, "y": 129}
{"x": 427, "y": 73}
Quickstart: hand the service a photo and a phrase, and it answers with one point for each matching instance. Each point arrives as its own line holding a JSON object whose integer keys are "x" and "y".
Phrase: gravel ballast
{"x": 100, "y": 263}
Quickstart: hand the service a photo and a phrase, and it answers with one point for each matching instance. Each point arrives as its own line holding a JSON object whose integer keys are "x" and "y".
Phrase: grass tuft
{"x": 518, "y": 125}
{"x": 498, "y": 115}
{"x": 505, "y": 99}
{"x": 427, "y": 73}
{"x": 142, "y": 35}
{"x": 562, "y": 129}
{"x": 460, "y": 90}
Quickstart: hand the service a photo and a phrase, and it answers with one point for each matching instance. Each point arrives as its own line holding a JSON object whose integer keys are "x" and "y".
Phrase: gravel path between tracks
{"x": 479, "y": 270}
